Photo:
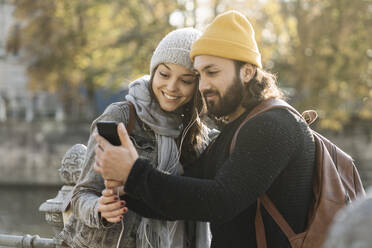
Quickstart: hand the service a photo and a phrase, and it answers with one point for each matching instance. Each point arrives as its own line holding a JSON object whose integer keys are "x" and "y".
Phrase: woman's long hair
{"x": 193, "y": 136}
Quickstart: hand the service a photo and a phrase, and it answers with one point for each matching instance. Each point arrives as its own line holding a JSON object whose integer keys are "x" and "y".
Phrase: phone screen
{"x": 108, "y": 130}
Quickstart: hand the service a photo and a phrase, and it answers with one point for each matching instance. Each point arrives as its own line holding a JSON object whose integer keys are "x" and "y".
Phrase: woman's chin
{"x": 171, "y": 108}
{"x": 168, "y": 108}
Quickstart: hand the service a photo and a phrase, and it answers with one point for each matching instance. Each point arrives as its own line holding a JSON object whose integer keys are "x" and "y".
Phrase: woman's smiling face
{"x": 173, "y": 85}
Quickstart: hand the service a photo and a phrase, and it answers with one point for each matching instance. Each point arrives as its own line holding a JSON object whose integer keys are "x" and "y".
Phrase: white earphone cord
{"x": 184, "y": 133}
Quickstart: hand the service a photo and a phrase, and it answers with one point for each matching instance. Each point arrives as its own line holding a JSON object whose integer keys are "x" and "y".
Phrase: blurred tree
{"x": 328, "y": 60}
{"x": 75, "y": 45}
{"x": 320, "y": 49}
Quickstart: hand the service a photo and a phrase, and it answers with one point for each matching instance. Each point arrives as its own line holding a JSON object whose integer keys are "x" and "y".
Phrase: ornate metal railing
{"x": 28, "y": 241}
{"x": 56, "y": 210}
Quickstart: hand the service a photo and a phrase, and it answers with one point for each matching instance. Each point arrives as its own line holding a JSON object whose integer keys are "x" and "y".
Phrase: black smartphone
{"x": 109, "y": 131}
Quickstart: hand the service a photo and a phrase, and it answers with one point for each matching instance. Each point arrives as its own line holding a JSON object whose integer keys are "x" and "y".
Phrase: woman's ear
{"x": 247, "y": 72}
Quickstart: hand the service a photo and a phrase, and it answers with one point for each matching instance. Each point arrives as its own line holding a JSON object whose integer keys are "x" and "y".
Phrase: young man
{"x": 274, "y": 152}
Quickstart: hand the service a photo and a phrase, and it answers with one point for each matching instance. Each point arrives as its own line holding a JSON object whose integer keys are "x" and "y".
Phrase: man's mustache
{"x": 209, "y": 92}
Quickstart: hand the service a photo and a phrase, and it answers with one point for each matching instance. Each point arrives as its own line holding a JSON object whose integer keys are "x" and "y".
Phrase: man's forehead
{"x": 206, "y": 61}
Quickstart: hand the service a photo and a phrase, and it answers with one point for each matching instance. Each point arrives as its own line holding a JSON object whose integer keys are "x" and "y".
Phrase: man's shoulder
{"x": 272, "y": 123}
{"x": 276, "y": 116}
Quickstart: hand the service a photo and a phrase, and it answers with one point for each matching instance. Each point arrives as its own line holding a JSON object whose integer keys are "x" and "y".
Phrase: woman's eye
{"x": 187, "y": 82}
{"x": 163, "y": 74}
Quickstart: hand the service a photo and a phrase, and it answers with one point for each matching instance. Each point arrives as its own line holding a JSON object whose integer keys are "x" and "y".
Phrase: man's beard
{"x": 228, "y": 103}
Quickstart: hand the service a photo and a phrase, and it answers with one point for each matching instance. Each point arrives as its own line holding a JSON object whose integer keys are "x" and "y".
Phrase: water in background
{"x": 19, "y": 210}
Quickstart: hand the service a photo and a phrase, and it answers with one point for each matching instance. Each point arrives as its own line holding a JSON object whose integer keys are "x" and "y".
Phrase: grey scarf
{"x": 166, "y": 126}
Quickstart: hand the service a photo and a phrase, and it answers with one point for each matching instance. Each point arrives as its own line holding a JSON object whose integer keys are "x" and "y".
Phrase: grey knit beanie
{"x": 175, "y": 48}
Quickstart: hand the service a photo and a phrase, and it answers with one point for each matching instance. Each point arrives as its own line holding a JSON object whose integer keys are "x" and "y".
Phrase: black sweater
{"x": 274, "y": 154}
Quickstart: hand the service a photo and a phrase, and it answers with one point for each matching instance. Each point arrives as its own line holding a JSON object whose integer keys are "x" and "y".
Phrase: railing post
{"x": 28, "y": 241}
{"x": 56, "y": 212}
{"x": 55, "y": 209}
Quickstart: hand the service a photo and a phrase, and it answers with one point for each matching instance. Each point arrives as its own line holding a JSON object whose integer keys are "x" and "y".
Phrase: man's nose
{"x": 203, "y": 84}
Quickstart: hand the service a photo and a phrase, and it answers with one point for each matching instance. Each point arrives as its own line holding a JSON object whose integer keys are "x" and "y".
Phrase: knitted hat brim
{"x": 175, "y": 48}
{"x": 223, "y": 48}
{"x": 173, "y": 56}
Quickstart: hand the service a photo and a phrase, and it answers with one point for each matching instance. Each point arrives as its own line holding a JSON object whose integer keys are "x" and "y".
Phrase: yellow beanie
{"x": 230, "y": 36}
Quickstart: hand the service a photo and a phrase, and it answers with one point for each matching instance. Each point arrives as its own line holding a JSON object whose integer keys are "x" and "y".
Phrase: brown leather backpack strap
{"x": 310, "y": 116}
{"x": 132, "y": 117}
{"x": 278, "y": 218}
{"x": 259, "y": 227}
{"x": 266, "y": 202}
{"x": 260, "y": 108}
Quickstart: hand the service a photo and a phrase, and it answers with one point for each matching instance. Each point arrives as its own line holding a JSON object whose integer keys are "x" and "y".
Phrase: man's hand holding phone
{"x": 115, "y": 156}
{"x": 114, "y": 162}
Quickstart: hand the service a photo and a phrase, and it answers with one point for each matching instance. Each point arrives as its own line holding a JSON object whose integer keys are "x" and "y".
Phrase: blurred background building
{"x": 63, "y": 62}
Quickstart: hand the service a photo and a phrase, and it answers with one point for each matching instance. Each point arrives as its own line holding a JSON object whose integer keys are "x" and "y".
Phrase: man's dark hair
{"x": 261, "y": 87}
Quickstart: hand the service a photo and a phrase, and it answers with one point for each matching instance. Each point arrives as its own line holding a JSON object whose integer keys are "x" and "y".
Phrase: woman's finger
{"x": 115, "y": 220}
{"x": 109, "y": 207}
{"x": 114, "y": 213}
{"x": 104, "y": 200}
{"x": 108, "y": 192}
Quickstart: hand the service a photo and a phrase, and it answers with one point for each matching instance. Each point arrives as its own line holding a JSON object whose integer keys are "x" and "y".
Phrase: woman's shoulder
{"x": 117, "y": 111}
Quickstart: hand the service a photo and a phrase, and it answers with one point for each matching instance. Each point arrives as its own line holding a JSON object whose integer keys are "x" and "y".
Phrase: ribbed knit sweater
{"x": 274, "y": 154}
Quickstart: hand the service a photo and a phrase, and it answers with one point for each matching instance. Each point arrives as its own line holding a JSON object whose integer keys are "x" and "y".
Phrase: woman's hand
{"x": 116, "y": 185}
{"x": 110, "y": 207}
{"x": 115, "y": 162}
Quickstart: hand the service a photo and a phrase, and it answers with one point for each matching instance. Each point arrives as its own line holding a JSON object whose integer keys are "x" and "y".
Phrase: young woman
{"x": 168, "y": 132}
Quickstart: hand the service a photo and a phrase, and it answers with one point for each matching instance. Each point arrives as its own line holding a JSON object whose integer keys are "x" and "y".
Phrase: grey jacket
{"x": 85, "y": 228}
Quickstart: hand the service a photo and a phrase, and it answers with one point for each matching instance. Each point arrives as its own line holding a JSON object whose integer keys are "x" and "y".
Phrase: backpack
{"x": 132, "y": 117}
{"x": 336, "y": 183}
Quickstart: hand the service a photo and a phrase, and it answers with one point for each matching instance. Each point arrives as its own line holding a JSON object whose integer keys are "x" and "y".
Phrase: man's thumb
{"x": 123, "y": 135}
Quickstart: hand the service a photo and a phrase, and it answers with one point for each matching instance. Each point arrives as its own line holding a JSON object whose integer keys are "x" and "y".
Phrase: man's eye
{"x": 212, "y": 72}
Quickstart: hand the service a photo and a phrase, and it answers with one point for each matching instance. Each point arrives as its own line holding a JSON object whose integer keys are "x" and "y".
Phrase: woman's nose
{"x": 172, "y": 85}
